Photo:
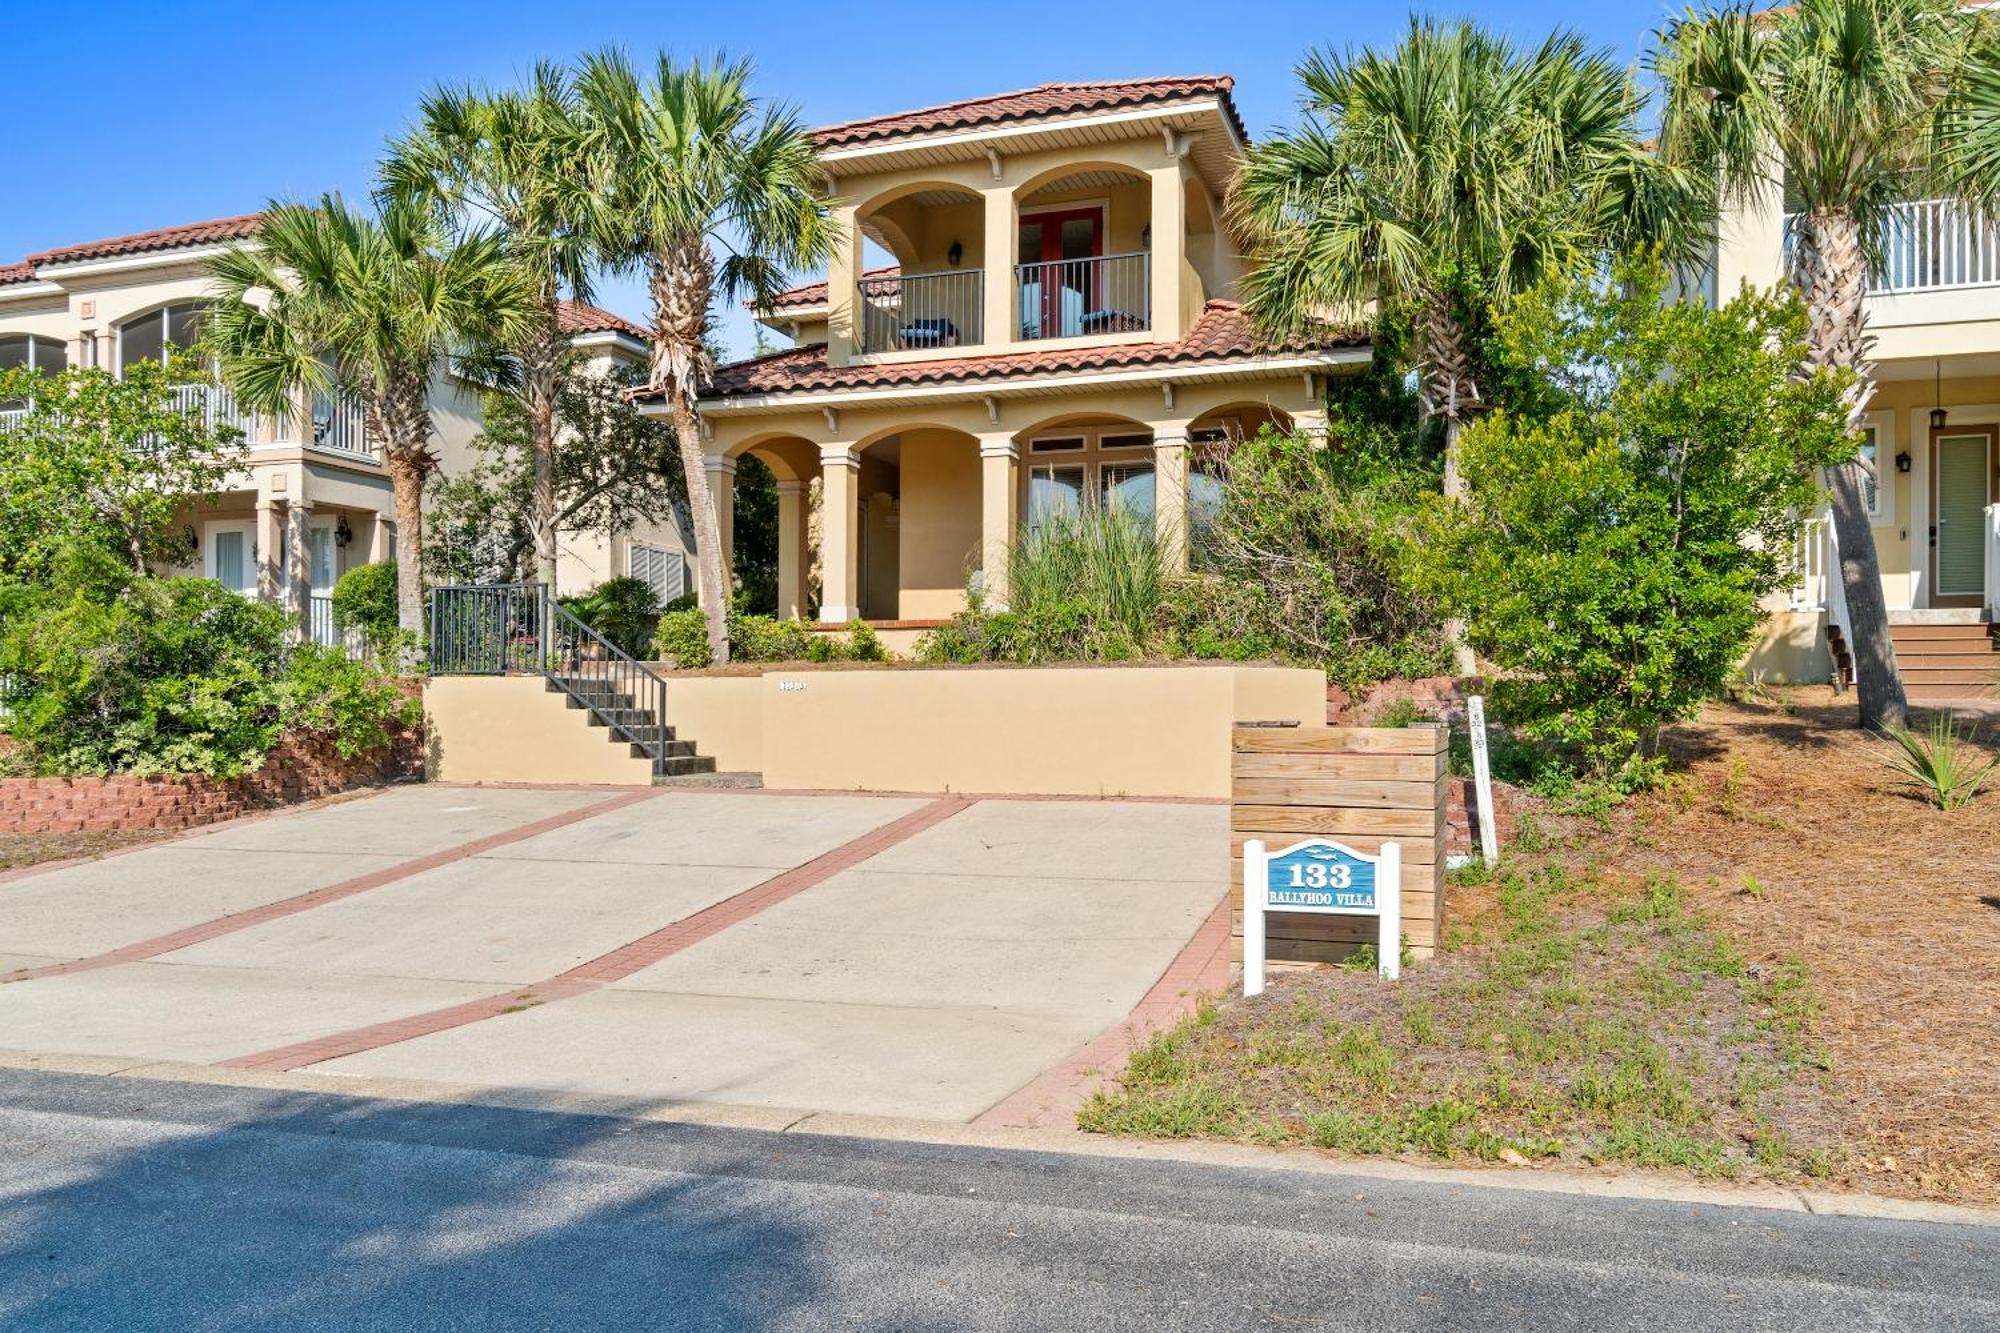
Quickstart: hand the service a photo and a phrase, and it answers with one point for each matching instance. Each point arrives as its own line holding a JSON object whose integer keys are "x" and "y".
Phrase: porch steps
{"x": 1941, "y": 661}
{"x": 627, "y": 724}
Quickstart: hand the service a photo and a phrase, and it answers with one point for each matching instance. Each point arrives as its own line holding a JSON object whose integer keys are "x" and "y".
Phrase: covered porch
{"x": 896, "y": 514}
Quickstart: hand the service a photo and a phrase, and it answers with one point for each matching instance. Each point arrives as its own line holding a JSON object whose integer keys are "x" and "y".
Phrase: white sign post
{"x": 1482, "y": 778}
{"x": 1328, "y": 878}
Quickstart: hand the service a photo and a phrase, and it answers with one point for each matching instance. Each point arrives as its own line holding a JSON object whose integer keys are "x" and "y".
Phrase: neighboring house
{"x": 1059, "y": 329}
{"x": 1933, "y": 430}
{"x": 313, "y": 500}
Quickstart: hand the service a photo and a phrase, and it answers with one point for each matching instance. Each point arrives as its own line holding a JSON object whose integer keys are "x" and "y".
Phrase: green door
{"x": 1962, "y": 471}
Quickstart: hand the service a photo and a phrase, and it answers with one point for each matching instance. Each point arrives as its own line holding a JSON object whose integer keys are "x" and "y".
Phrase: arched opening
{"x": 1084, "y": 237}
{"x": 1076, "y": 461}
{"x": 158, "y": 334}
{"x": 917, "y": 523}
{"x": 936, "y": 235}
{"x": 1210, "y": 438}
{"x": 47, "y": 357}
{"x": 772, "y": 507}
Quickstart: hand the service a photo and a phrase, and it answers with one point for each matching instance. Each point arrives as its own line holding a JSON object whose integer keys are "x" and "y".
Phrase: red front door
{"x": 1061, "y": 286}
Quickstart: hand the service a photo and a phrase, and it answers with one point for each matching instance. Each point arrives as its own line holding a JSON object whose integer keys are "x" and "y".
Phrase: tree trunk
{"x": 541, "y": 372}
{"x": 682, "y": 279}
{"x": 1445, "y": 394}
{"x": 406, "y": 478}
{"x": 1832, "y": 271}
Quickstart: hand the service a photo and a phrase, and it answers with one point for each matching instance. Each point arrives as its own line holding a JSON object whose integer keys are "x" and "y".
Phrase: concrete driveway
{"x": 909, "y": 956}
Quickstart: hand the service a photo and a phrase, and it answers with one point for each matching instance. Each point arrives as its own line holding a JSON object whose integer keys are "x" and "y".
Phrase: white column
{"x": 270, "y": 546}
{"x": 379, "y": 548}
{"x": 298, "y": 558}
{"x": 1170, "y": 496}
{"x": 839, "y": 534}
{"x": 999, "y": 508}
{"x": 107, "y": 351}
{"x": 791, "y": 550}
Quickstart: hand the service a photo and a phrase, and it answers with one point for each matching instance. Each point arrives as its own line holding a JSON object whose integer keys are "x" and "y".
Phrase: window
{"x": 1138, "y": 441}
{"x": 153, "y": 335}
{"x": 1127, "y": 488}
{"x": 664, "y": 571}
{"x": 1053, "y": 490}
{"x": 1062, "y": 444}
{"x": 321, "y": 551}
{"x": 26, "y": 351}
{"x": 1877, "y": 447}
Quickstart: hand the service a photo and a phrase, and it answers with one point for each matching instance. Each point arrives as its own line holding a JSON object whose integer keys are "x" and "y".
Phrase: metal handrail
{"x": 517, "y": 628}
{"x": 1068, "y": 298}
{"x": 914, "y": 311}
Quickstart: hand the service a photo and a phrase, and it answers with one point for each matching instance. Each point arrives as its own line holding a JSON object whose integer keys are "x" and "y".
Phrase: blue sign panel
{"x": 1320, "y": 876}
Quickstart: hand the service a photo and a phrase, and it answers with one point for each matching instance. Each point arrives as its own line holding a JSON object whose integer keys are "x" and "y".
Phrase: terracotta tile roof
{"x": 1048, "y": 99}
{"x": 580, "y": 317}
{"x": 1223, "y": 333}
{"x": 814, "y": 293}
{"x": 166, "y": 238}
{"x": 13, "y": 273}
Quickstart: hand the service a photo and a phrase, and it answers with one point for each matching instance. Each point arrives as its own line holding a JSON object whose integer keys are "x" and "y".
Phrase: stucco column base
{"x": 1170, "y": 498}
{"x": 999, "y": 487}
{"x": 840, "y": 534}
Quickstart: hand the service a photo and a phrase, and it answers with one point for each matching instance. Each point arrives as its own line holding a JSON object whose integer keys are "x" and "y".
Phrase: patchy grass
{"x": 26, "y": 849}
{"x": 1583, "y": 1023}
{"x": 1774, "y": 965}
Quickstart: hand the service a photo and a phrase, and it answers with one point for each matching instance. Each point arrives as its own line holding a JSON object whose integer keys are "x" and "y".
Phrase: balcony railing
{"x": 215, "y": 406}
{"x": 921, "y": 310}
{"x": 1071, "y": 298}
{"x": 319, "y": 628}
{"x": 1928, "y": 245}
{"x": 338, "y": 424}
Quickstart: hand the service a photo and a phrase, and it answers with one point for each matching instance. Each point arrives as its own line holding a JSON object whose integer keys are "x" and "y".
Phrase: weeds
{"x": 1941, "y": 765}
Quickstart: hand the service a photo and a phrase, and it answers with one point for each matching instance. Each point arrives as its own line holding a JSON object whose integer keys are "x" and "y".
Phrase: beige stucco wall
{"x": 1088, "y": 731}
{"x": 938, "y": 528}
{"x": 515, "y": 729}
{"x": 1791, "y": 650}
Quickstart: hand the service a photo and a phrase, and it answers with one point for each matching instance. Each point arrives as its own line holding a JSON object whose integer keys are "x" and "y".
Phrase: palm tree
{"x": 515, "y": 159}
{"x": 332, "y": 300}
{"x": 1839, "y": 104}
{"x": 692, "y": 164}
{"x": 1446, "y": 175}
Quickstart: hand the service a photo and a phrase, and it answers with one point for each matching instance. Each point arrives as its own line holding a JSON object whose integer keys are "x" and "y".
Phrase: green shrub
{"x": 1940, "y": 766}
{"x": 682, "y": 638}
{"x": 1616, "y": 542}
{"x": 626, "y": 611}
{"x": 1097, "y": 569}
{"x": 124, "y": 674}
{"x": 364, "y": 601}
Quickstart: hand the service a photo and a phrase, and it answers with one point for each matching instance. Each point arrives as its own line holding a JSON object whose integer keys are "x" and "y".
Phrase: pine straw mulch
{"x": 1778, "y": 967}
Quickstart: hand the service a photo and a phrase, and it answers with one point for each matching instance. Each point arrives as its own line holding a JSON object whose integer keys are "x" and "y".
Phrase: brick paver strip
{"x": 620, "y": 962}
{"x": 1052, "y": 1099}
{"x": 347, "y": 888}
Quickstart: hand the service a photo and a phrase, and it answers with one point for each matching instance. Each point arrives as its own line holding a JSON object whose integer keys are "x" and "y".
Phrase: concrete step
{"x": 711, "y": 781}
{"x": 643, "y": 746}
{"x": 682, "y": 766}
{"x": 632, "y": 719}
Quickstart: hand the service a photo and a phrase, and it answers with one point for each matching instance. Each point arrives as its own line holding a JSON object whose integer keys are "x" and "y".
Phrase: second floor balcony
{"x": 338, "y": 425}
{"x": 1928, "y": 245}
{"x": 1056, "y": 298}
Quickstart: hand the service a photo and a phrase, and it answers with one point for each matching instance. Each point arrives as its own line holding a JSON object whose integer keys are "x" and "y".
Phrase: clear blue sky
{"x": 183, "y": 112}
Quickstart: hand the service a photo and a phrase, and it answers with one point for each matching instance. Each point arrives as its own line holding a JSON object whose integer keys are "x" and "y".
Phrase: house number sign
{"x": 1327, "y": 877}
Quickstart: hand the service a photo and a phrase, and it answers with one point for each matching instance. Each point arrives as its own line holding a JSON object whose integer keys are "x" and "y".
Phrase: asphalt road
{"x": 136, "y": 1204}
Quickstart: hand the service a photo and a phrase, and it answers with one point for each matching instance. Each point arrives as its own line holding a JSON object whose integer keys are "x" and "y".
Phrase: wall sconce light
{"x": 1937, "y": 395}
{"x": 955, "y": 254}
{"x": 192, "y": 538}
{"x": 1903, "y": 461}
{"x": 342, "y": 534}
{"x": 1146, "y": 236}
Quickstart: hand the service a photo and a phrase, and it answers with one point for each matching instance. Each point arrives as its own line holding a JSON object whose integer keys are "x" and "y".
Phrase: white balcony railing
{"x": 215, "y": 406}
{"x": 921, "y": 311}
{"x": 1929, "y": 245}
{"x": 339, "y": 425}
{"x": 320, "y": 629}
{"x": 11, "y": 417}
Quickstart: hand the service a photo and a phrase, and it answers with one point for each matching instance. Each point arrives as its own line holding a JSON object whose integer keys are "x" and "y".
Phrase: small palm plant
{"x": 1942, "y": 764}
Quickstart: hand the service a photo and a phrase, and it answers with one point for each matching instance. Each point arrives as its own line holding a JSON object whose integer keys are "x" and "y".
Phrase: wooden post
{"x": 1364, "y": 786}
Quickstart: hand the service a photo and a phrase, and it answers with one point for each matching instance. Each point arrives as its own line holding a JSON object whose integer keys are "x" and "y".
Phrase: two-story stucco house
{"x": 1058, "y": 327}
{"x": 1933, "y": 431}
{"x": 313, "y": 499}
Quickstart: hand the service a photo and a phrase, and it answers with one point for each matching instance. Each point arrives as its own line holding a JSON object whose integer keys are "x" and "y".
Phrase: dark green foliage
{"x": 116, "y": 673}
{"x": 364, "y": 601}
{"x": 682, "y": 638}
{"x": 626, "y": 611}
{"x": 754, "y": 547}
{"x": 1615, "y": 545}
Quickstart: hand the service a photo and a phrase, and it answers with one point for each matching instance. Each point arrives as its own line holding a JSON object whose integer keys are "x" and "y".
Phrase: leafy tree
{"x": 517, "y": 158}
{"x": 692, "y": 162}
{"x": 626, "y": 611}
{"x": 331, "y": 299}
{"x": 364, "y": 601}
{"x": 105, "y": 461}
{"x": 1846, "y": 106}
{"x": 1612, "y": 554}
{"x": 1446, "y": 175}
{"x": 754, "y": 544}
{"x": 612, "y": 468}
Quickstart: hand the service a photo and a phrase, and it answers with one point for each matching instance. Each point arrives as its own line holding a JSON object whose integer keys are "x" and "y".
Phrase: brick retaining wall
{"x": 297, "y": 770}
